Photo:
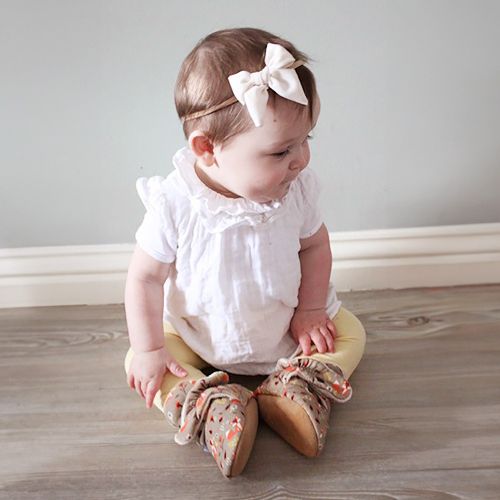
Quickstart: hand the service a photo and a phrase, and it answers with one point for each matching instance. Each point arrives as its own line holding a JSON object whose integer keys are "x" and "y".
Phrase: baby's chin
{"x": 281, "y": 191}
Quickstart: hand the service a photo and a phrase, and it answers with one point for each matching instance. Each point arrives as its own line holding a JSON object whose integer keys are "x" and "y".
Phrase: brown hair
{"x": 202, "y": 81}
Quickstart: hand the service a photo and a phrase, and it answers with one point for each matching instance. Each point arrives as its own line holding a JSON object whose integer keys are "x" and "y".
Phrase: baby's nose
{"x": 299, "y": 163}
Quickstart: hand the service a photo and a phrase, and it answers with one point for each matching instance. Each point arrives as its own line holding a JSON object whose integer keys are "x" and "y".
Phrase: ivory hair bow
{"x": 251, "y": 89}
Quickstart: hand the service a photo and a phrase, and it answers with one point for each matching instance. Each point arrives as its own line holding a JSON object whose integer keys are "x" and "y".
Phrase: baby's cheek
{"x": 277, "y": 178}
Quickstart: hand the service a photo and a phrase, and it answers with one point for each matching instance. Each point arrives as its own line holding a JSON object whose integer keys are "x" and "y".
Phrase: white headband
{"x": 251, "y": 89}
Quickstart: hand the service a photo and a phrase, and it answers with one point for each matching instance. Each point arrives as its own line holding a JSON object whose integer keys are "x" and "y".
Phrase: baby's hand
{"x": 315, "y": 325}
{"x": 147, "y": 370}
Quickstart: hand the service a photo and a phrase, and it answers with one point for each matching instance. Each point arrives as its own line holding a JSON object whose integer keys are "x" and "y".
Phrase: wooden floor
{"x": 424, "y": 420}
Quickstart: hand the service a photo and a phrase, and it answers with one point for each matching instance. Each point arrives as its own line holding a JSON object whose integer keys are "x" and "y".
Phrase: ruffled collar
{"x": 218, "y": 211}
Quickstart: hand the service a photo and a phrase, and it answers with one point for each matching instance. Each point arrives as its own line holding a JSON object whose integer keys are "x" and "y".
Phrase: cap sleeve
{"x": 157, "y": 234}
{"x": 310, "y": 190}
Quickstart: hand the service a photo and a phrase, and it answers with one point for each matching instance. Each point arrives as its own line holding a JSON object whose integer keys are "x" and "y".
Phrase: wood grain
{"x": 423, "y": 423}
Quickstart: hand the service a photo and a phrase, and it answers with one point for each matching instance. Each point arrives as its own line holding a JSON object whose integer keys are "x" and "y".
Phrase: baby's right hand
{"x": 147, "y": 370}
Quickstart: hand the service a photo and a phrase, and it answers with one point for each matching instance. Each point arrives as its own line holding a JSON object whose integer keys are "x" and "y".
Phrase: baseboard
{"x": 362, "y": 260}
{"x": 63, "y": 275}
{"x": 416, "y": 257}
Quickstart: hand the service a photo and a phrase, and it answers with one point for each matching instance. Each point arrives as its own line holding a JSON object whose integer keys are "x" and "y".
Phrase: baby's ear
{"x": 202, "y": 147}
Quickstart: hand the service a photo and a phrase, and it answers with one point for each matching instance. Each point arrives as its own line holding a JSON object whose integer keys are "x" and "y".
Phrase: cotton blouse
{"x": 233, "y": 285}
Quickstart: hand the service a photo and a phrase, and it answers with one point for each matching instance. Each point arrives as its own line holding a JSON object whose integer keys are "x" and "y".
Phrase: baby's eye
{"x": 287, "y": 151}
{"x": 282, "y": 154}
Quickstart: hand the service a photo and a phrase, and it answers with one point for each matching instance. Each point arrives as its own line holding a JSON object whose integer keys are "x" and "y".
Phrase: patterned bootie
{"x": 221, "y": 417}
{"x": 295, "y": 401}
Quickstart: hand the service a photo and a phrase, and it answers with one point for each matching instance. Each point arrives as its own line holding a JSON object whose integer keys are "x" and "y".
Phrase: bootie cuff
{"x": 325, "y": 379}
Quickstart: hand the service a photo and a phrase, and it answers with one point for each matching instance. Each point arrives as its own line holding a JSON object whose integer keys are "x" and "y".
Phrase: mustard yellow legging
{"x": 349, "y": 348}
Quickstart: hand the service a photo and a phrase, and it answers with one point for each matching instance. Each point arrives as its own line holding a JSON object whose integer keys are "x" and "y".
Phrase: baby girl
{"x": 232, "y": 264}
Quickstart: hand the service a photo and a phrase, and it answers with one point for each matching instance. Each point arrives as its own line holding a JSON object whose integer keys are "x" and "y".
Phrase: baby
{"x": 232, "y": 264}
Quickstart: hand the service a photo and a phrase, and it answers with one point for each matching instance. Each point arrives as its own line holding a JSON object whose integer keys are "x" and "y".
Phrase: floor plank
{"x": 424, "y": 420}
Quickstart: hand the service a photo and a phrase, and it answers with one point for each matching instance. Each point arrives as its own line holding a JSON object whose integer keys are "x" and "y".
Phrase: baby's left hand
{"x": 315, "y": 325}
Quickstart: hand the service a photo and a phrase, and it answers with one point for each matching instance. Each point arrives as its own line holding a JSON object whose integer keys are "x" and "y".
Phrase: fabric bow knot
{"x": 251, "y": 89}
{"x": 259, "y": 77}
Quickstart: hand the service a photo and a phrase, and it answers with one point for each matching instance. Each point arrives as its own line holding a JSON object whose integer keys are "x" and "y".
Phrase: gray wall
{"x": 409, "y": 133}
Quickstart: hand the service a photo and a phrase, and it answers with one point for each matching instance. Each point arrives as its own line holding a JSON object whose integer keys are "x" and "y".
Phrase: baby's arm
{"x": 144, "y": 311}
{"x": 310, "y": 320}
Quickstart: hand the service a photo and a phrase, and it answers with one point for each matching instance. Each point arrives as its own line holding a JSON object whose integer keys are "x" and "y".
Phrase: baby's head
{"x": 255, "y": 160}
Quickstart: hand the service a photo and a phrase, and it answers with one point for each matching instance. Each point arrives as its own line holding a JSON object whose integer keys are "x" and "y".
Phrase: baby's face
{"x": 261, "y": 163}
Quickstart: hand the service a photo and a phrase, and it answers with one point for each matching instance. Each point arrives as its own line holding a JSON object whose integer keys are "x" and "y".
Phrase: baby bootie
{"x": 221, "y": 417}
{"x": 295, "y": 401}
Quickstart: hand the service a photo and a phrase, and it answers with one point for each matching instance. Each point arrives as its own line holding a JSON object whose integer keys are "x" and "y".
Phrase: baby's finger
{"x": 151, "y": 390}
{"x": 328, "y": 338}
{"x": 305, "y": 343}
{"x": 177, "y": 369}
{"x": 319, "y": 340}
{"x": 140, "y": 387}
{"x": 331, "y": 326}
{"x": 130, "y": 380}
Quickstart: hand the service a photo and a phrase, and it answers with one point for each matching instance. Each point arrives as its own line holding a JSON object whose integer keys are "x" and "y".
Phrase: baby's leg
{"x": 189, "y": 360}
{"x": 294, "y": 409}
{"x": 349, "y": 343}
{"x": 233, "y": 415}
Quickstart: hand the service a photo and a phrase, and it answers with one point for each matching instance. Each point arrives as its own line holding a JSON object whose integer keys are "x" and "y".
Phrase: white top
{"x": 232, "y": 291}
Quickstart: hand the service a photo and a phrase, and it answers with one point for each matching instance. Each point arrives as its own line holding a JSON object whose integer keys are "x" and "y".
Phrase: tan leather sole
{"x": 247, "y": 438}
{"x": 290, "y": 421}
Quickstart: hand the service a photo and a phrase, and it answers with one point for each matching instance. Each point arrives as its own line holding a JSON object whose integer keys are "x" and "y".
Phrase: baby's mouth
{"x": 284, "y": 183}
